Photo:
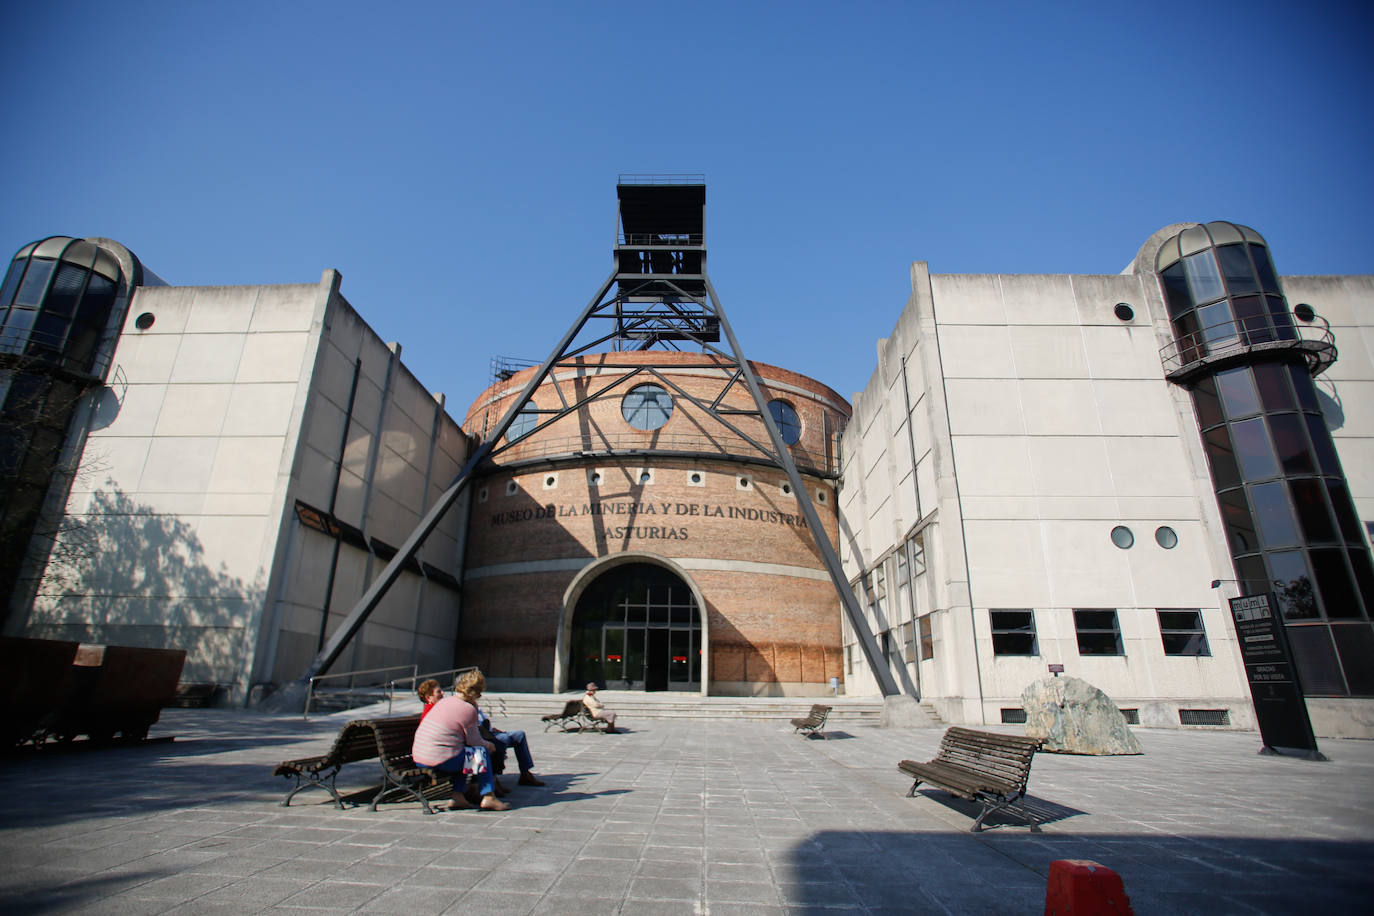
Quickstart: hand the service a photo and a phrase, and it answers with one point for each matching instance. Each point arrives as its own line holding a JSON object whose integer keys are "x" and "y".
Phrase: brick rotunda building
{"x": 638, "y": 542}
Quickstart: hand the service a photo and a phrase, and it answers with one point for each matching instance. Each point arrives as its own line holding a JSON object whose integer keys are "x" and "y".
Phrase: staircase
{"x": 631, "y": 705}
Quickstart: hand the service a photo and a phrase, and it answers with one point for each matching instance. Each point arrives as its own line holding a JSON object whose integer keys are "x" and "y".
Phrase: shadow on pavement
{"x": 1043, "y": 810}
{"x": 1007, "y": 872}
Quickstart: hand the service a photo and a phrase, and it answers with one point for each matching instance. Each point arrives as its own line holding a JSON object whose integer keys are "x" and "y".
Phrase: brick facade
{"x": 695, "y": 497}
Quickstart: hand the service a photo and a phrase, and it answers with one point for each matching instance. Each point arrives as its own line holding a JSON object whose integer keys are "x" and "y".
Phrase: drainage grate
{"x": 1132, "y": 716}
{"x": 1014, "y": 715}
{"x": 1204, "y": 716}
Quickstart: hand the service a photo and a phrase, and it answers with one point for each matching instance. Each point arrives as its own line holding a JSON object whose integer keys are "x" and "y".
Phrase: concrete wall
{"x": 1045, "y": 422}
{"x": 219, "y": 416}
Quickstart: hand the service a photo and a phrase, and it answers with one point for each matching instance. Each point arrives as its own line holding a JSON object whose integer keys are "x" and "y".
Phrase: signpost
{"x": 1274, "y": 687}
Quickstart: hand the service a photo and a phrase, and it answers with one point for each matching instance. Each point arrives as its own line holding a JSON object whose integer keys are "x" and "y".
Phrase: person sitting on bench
{"x": 470, "y": 687}
{"x": 429, "y": 693}
{"x": 448, "y": 740}
{"x": 598, "y": 709}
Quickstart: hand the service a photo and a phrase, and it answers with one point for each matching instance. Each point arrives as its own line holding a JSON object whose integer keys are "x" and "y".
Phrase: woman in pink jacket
{"x": 447, "y": 740}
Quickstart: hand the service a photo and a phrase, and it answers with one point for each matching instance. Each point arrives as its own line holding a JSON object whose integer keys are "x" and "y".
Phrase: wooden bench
{"x": 387, "y": 740}
{"x": 812, "y": 723}
{"x": 575, "y": 717}
{"x": 983, "y": 767}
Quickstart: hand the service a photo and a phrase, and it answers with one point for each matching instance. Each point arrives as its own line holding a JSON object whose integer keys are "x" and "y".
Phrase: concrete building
{"x": 639, "y": 543}
{"x": 1043, "y": 469}
{"x": 244, "y": 459}
{"x": 1040, "y": 472}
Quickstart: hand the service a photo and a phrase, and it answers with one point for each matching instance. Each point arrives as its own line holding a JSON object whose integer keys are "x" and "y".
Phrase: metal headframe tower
{"x": 658, "y": 296}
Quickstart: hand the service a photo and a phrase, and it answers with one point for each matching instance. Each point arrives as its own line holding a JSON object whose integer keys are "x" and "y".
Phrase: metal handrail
{"x": 415, "y": 679}
{"x": 1228, "y": 338}
{"x": 667, "y": 178}
{"x": 352, "y": 676}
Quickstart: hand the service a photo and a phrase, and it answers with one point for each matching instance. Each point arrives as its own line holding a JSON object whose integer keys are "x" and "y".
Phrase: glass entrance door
{"x": 637, "y": 627}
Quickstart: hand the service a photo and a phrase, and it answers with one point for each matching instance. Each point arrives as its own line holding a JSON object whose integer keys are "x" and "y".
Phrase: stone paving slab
{"x": 677, "y": 816}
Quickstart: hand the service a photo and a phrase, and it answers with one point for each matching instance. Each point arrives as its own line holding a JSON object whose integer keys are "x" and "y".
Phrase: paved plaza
{"x": 677, "y": 816}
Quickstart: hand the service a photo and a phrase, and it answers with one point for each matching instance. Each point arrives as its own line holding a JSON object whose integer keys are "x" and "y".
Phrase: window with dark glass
{"x": 647, "y": 407}
{"x": 786, "y": 419}
{"x": 1013, "y": 632}
{"x": 1182, "y": 633}
{"x": 1098, "y": 632}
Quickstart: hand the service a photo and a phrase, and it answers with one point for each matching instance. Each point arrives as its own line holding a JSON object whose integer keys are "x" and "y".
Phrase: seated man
{"x": 470, "y": 687}
{"x": 598, "y": 709}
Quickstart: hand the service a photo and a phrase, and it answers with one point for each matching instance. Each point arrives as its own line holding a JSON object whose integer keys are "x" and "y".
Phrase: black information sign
{"x": 1274, "y": 687}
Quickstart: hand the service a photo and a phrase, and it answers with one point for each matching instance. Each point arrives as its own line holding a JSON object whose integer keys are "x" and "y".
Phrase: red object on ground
{"x": 1079, "y": 887}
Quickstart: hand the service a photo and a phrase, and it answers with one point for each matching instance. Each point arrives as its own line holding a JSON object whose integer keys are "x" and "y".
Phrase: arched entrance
{"x": 635, "y": 626}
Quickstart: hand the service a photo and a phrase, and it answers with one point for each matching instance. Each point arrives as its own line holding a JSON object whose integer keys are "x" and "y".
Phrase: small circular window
{"x": 144, "y": 322}
{"x": 785, "y": 416}
{"x": 1166, "y": 537}
{"x": 1122, "y": 537}
{"x": 1123, "y": 311}
{"x": 696, "y": 477}
{"x": 524, "y": 421}
{"x": 647, "y": 407}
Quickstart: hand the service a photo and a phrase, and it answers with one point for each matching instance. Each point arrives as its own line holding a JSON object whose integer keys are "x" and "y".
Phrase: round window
{"x": 144, "y": 322}
{"x": 524, "y": 421}
{"x": 647, "y": 407}
{"x": 785, "y": 416}
{"x": 1122, "y": 537}
{"x": 1166, "y": 537}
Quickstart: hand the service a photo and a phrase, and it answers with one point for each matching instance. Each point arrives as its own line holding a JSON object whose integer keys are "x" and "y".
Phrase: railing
{"x": 679, "y": 240}
{"x": 1228, "y": 339}
{"x": 413, "y": 681}
{"x": 696, "y": 446}
{"x": 364, "y": 678}
{"x": 671, "y": 178}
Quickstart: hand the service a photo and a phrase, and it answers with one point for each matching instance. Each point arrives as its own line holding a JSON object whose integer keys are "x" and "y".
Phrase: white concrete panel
{"x": 1086, "y": 570}
{"x": 967, "y": 299}
{"x": 1178, "y": 508}
{"x": 170, "y": 307}
{"x": 333, "y": 377}
{"x": 147, "y": 358}
{"x": 1048, "y": 351}
{"x": 179, "y": 465}
{"x": 1135, "y": 407}
{"x": 208, "y": 358}
{"x": 1080, "y": 507}
{"x": 399, "y": 480}
{"x": 1038, "y": 299}
{"x": 992, "y": 465}
{"x": 1074, "y": 466}
{"x": 1095, "y": 297}
{"x": 1006, "y": 563}
{"x": 1128, "y": 351}
{"x": 246, "y": 465}
{"x": 984, "y": 407}
{"x": 260, "y": 410}
{"x": 138, "y": 410}
{"x": 976, "y": 351}
{"x": 233, "y": 547}
{"x": 1144, "y": 466}
{"x": 1000, "y": 507}
{"x": 1059, "y": 407}
{"x": 272, "y": 357}
{"x": 113, "y": 462}
{"x": 285, "y": 308}
{"x": 193, "y": 410}
{"x": 244, "y": 504}
{"x": 218, "y": 309}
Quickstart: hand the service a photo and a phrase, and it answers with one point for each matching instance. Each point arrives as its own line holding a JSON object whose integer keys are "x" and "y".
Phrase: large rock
{"x": 1074, "y": 717}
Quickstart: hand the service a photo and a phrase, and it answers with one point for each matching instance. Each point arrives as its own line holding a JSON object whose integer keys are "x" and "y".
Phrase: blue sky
{"x": 457, "y": 161}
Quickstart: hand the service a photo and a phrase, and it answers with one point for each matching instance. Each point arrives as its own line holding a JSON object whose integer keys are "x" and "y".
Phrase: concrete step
{"x": 630, "y": 705}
